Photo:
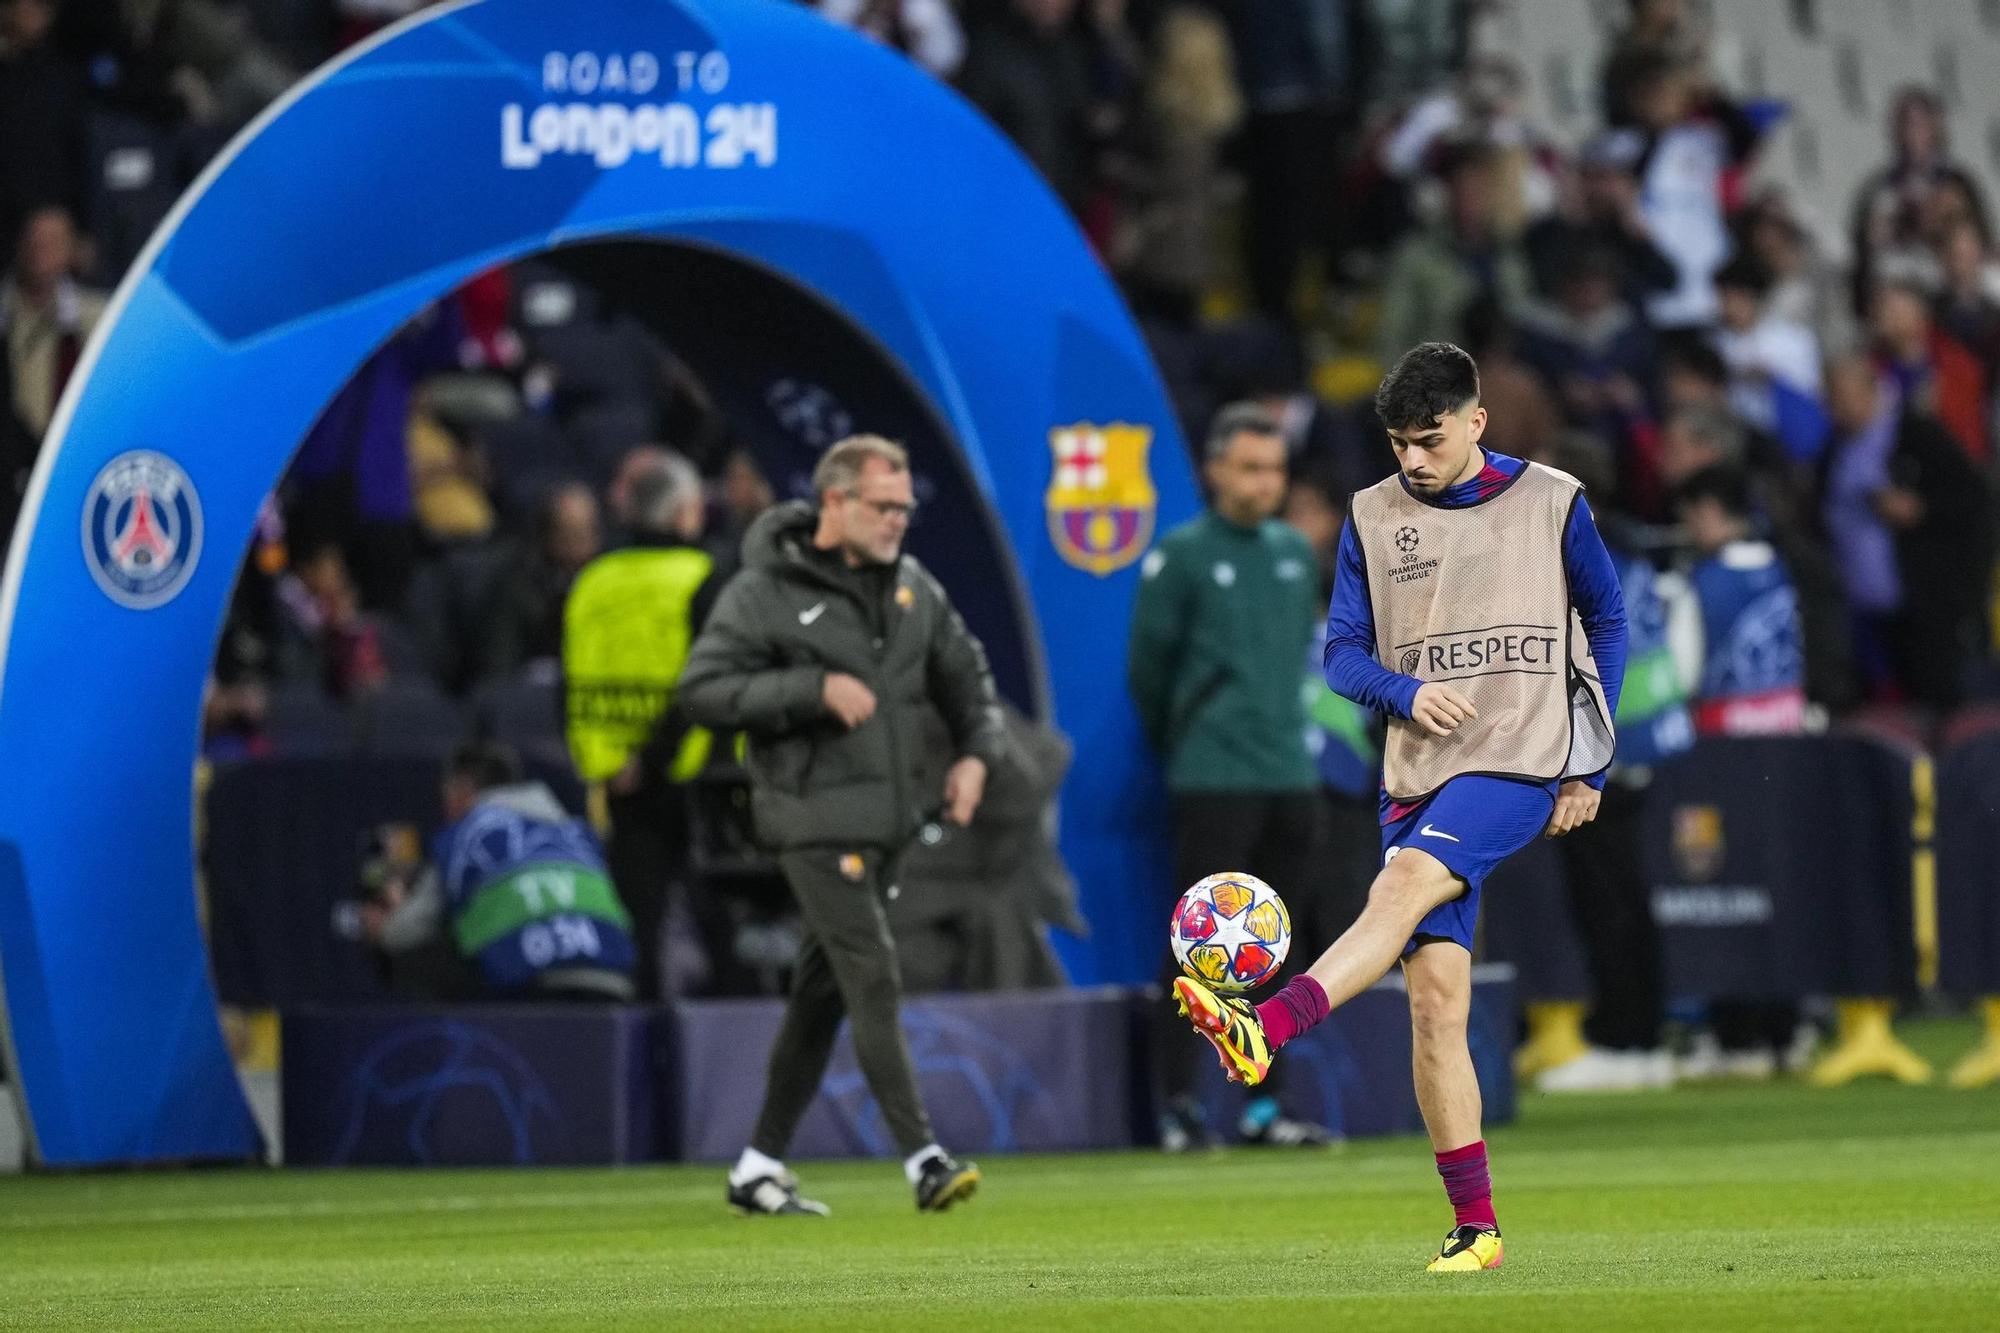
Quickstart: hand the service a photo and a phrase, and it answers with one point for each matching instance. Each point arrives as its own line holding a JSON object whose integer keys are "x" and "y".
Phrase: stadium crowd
{"x": 1290, "y": 192}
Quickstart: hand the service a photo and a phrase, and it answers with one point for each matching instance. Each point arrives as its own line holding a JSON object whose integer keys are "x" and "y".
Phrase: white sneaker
{"x": 1658, "y": 1067}
{"x": 1795, "y": 1057}
{"x": 1753, "y": 1066}
{"x": 1706, "y": 1060}
{"x": 1703, "y": 1061}
{"x": 1600, "y": 1070}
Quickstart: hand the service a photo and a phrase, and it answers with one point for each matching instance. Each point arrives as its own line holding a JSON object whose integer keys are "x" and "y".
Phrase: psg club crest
{"x": 141, "y": 529}
{"x": 1101, "y": 499}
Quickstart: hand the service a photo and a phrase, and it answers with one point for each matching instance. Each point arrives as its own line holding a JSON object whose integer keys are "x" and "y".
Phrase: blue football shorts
{"x": 1471, "y": 824}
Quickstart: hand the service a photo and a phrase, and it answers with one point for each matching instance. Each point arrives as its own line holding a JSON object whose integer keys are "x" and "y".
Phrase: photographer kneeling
{"x": 520, "y": 884}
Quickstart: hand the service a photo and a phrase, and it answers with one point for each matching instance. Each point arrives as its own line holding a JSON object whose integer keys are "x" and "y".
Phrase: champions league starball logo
{"x": 141, "y": 529}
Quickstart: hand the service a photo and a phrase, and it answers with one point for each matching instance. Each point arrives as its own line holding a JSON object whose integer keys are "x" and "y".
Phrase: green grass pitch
{"x": 1771, "y": 1206}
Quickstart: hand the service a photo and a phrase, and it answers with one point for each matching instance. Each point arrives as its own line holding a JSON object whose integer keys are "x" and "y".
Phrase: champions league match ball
{"x": 1231, "y": 931}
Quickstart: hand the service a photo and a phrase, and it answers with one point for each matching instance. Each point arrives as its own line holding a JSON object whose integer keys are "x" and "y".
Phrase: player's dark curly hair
{"x": 1432, "y": 379}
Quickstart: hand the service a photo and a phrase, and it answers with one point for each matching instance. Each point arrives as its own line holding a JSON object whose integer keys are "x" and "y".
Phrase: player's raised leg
{"x": 1404, "y": 892}
{"x": 1439, "y": 977}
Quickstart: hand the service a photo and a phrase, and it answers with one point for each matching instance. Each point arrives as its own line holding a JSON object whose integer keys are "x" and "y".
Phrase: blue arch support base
{"x": 488, "y": 131}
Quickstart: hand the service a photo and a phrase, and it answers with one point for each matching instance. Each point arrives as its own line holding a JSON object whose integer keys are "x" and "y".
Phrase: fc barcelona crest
{"x": 1101, "y": 499}
{"x": 1698, "y": 844}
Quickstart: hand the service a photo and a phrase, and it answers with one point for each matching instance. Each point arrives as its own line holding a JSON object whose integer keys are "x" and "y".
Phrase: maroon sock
{"x": 1469, "y": 1184}
{"x": 1300, "y": 1004}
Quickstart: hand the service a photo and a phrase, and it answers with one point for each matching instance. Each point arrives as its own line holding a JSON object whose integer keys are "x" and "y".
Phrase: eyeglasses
{"x": 887, "y": 508}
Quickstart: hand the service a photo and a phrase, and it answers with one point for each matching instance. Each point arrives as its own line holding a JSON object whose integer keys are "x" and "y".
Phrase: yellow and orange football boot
{"x": 1231, "y": 1027}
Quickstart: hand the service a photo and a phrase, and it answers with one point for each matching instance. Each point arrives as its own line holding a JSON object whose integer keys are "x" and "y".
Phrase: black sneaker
{"x": 944, "y": 1182}
{"x": 774, "y": 1196}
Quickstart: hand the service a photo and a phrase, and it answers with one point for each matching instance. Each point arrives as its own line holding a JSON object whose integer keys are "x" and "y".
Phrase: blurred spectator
{"x": 246, "y": 650}
{"x": 1482, "y": 106}
{"x": 449, "y": 607}
{"x": 1164, "y": 249}
{"x": 1774, "y": 367}
{"x": 175, "y": 62}
{"x": 1911, "y": 521}
{"x": 1300, "y": 63}
{"x": 1436, "y": 275}
{"x": 232, "y": 721}
{"x": 976, "y": 901}
{"x": 1118, "y": 67}
{"x": 447, "y": 484}
{"x": 1413, "y": 45}
{"x": 42, "y": 92}
{"x": 324, "y": 635}
{"x": 517, "y": 883}
{"x": 927, "y": 31}
{"x": 485, "y": 306}
{"x": 1597, "y": 208}
{"x": 1930, "y": 370}
{"x": 1591, "y": 347}
{"x": 1609, "y": 893}
{"x": 1752, "y": 684}
{"x": 353, "y": 471}
{"x": 1698, "y": 435}
{"x": 45, "y": 315}
{"x": 1753, "y": 663}
{"x": 631, "y": 616}
{"x": 741, "y": 494}
{"x": 1692, "y": 143}
{"x": 1896, "y": 214}
{"x": 1968, "y": 301}
{"x": 638, "y": 461}
{"x": 1806, "y": 288}
{"x": 1702, "y": 433}
{"x": 1316, "y": 506}
{"x": 1344, "y": 739}
{"x": 527, "y": 617}
{"x": 1225, "y": 614}
{"x": 1259, "y": 361}
{"x": 1657, "y": 30}
{"x": 1029, "y": 69}
{"x": 1523, "y": 420}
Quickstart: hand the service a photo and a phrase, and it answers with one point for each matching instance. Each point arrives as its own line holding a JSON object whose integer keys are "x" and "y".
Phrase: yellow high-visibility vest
{"x": 627, "y": 629}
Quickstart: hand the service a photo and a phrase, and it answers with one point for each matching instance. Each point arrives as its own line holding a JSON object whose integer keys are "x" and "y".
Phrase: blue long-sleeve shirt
{"x": 1349, "y": 662}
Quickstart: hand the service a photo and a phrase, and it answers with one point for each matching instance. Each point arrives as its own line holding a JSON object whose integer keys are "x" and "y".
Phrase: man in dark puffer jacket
{"x": 824, "y": 650}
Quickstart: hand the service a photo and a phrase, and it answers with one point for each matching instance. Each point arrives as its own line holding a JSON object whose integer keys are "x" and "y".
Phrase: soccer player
{"x": 1475, "y": 604}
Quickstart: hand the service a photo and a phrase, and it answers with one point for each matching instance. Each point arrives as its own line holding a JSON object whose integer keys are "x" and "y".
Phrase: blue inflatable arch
{"x": 486, "y": 131}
